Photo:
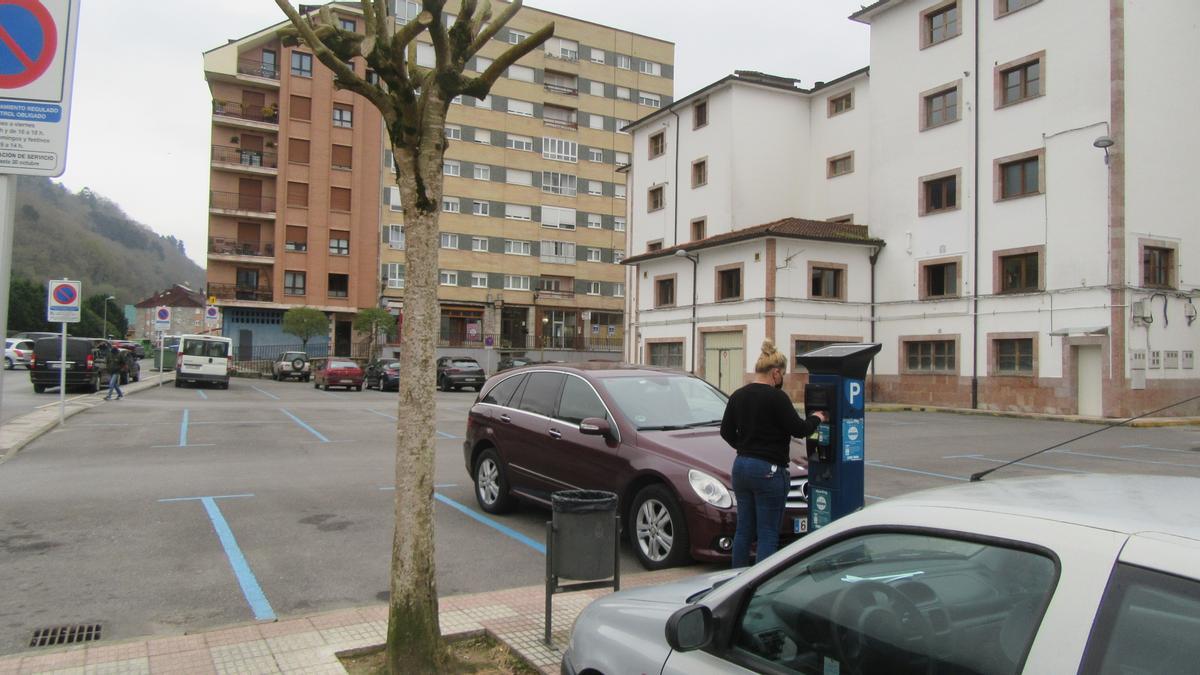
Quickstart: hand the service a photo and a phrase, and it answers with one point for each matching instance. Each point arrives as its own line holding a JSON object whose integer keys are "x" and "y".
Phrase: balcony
{"x": 560, "y": 89}
{"x": 265, "y": 118}
{"x": 234, "y": 250}
{"x": 268, "y": 71}
{"x": 237, "y": 292}
{"x": 238, "y": 204}
{"x": 560, "y": 123}
{"x": 259, "y": 162}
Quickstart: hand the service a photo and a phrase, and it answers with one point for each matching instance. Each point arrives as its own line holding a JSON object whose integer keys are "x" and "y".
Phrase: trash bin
{"x": 585, "y": 533}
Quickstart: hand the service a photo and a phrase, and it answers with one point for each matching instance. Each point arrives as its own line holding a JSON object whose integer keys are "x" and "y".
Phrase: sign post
{"x": 162, "y": 323}
{"x": 62, "y": 306}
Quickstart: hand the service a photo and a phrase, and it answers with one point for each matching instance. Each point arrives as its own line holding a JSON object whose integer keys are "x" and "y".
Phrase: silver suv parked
{"x": 291, "y": 365}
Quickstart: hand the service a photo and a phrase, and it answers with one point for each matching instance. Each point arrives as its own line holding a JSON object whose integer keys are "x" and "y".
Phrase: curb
{"x": 1148, "y": 422}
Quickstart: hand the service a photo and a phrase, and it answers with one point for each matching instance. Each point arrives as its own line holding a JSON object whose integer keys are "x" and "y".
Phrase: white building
{"x": 1004, "y": 257}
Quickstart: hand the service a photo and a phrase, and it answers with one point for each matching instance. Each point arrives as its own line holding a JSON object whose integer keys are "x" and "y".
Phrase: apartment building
{"x": 304, "y": 208}
{"x": 1027, "y": 236}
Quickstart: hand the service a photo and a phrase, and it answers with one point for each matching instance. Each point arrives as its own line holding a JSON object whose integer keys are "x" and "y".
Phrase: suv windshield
{"x": 666, "y": 401}
{"x": 288, "y": 356}
{"x": 464, "y": 363}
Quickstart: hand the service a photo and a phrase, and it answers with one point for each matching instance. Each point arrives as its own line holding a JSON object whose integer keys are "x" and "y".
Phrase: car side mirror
{"x": 690, "y": 628}
{"x": 595, "y": 426}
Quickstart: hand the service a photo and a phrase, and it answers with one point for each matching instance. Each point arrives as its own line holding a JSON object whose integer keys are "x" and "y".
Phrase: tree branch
{"x": 437, "y": 33}
{"x": 346, "y": 78}
{"x": 481, "y": 85}
{"x": 489, "y": 30}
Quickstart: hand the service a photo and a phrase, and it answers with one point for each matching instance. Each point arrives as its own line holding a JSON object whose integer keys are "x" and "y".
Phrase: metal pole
{"x": 104, "y": 328}
{"x": 62, "y": 377}
{"x": 160, "y": 358}
{"x": 8, "y": 205}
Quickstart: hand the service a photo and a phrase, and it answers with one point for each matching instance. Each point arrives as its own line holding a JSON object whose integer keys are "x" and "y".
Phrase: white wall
{"x": 830, "y": 136}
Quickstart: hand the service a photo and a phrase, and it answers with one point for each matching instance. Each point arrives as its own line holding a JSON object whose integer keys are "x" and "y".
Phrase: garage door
{"x": 724, "y": 360}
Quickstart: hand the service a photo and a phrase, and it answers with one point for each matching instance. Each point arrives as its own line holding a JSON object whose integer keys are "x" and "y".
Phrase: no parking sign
{"x": 62, "y": 303}
{"x": 162, "y": 318}
{"x": 212, "y": 316}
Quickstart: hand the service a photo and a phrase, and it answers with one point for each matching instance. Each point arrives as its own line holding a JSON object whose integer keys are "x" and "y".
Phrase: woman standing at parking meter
{"x": 759, "y": 423}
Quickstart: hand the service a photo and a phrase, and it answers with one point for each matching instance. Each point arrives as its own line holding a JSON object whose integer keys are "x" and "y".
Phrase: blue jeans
{"x": 114, "y": 385}
{"x": 761, "y": 495}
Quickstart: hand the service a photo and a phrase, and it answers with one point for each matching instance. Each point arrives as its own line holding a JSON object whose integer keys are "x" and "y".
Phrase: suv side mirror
{"x": 595, "y": 426}
{"x": 690, "y": 628}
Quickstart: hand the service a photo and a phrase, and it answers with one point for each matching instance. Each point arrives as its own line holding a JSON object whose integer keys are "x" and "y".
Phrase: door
{"x": 247, "y": 238}
{"x": 252, "y": 149}
{"x": 252, "y": 104}
{"x": 341, "y": 338}
{"x": 1089, "y": 380}
{"x": 247, "y": 284}
{"x": 572, "y": 460}
{"x": 724, "y": 360}
{"x": 245, "y": 344}
{"x": 530, "y": 439}
{"x": 250, "y": 194}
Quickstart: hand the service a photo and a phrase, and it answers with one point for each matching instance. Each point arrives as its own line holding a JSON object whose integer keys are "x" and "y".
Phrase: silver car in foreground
{"x": 1070, "y": 574}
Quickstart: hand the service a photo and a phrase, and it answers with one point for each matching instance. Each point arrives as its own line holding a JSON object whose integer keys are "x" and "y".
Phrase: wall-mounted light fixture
{"x": 1104, "y": 143}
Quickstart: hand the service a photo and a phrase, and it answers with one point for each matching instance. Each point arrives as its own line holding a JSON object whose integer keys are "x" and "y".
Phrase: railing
{"x": 226, "y": 246}
{"x": 231, "y": 155}
{"x": 240, "y": 292}
{"x": 583, "y": 343}
{"x": 561, "y": 124}
{"x": 559, "y": 89}
{"x": 258, "y": 68}
{"x": 254, "y": 113}
{"x": 560, "y": 293}
{"x": 241, "y": 202}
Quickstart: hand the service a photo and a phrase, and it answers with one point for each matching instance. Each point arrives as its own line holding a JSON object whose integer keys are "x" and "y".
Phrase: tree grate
{"x": 65, "y": 635}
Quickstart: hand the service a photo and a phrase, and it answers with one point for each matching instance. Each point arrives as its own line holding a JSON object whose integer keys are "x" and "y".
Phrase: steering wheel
{"x": 877, "y": 629}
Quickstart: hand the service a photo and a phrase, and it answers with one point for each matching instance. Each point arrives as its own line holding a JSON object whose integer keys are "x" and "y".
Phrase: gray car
{"x": 17, "y": 352}
{"x": 291, "y": 365}
{"x": 1064, "y": 574}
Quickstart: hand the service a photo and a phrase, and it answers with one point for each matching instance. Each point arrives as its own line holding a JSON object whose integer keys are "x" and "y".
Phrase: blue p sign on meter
{"x": 62, "y": 303}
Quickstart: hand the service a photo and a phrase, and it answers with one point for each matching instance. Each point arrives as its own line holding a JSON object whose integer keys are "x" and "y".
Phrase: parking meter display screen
{"x": 837, "y": 351}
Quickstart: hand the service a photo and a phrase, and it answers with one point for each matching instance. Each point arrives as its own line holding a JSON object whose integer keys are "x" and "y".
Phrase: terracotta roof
{"x": 175, "y": 296}
{"x": 791, "y": 228}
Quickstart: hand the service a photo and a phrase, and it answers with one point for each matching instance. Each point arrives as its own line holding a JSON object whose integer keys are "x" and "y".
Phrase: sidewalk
{"x": 310, "y": 644}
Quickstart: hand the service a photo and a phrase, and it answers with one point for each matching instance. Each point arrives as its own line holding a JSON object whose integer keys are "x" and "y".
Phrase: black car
{"x": 85, "y": 364}
{"x": 459, "y": 371}
{"x": 515, "y": 362}
{"x": 383, "y": 374}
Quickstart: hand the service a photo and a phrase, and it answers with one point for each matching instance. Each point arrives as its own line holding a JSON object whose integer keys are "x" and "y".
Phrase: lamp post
{"x": 681, "y": 253}
{"x": 105, "y": 327}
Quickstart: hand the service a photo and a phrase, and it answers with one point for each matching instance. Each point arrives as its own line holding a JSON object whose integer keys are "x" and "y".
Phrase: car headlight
{"x": 709, "y": 489}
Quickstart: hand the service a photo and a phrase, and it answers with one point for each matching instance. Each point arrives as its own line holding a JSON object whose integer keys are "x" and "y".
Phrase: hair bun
{"x": 768, "y": 347}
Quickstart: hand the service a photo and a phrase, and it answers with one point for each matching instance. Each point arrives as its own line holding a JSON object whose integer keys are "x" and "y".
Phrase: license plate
{"x": 347, "y": 381}
{"x": 468, "y": 379}
{"x": 55, "y": 366}
{"x": 799, "y": 525}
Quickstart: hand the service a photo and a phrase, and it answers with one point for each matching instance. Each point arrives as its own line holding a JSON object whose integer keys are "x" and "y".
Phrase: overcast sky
{"x": 140, "y": 117}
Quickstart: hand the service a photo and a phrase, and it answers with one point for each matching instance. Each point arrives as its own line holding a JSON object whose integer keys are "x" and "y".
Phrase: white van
{"x": 203, "y": 358}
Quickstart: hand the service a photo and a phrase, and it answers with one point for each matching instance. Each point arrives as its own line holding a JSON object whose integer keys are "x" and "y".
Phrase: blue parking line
{"x": 183, "y": 429}
{"x": 1125, "y": 459}
{"x": 202, "y": 394}
{"x": 535, "y": 545}
{"x": 241, "y": 569}
{"x": 311, "y": 430}
{"x": 923, "y": 473}
{"x": 264, "y": 393}
{"x": 1031, "y": 465}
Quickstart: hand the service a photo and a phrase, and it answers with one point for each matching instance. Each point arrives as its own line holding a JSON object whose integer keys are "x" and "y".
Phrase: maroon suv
{"x": 650, "y": 435}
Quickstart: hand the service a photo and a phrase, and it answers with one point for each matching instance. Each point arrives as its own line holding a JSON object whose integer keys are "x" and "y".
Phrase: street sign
{"x": 37, "y": 64}
{"x": 162, "y": 318}
{"x": 212, "y": 316}
{"x": 212, "y": 299}
{"x": 62, "y": 303}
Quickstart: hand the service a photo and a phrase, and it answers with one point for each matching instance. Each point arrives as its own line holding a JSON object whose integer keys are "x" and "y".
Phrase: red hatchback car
{"x": 338, "y": 373}
{"x": 650, "y": 435}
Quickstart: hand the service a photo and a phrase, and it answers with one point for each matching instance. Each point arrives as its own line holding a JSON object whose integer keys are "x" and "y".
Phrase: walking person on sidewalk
{"x": 759, "y": 423}
{"x": 116, "y": 365}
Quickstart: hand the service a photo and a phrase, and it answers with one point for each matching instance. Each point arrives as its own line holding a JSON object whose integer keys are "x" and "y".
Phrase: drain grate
{"x": 65, "y": 635}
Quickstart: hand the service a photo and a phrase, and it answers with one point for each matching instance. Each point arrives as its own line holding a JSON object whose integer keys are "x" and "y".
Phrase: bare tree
{"x": 414, "y": 101}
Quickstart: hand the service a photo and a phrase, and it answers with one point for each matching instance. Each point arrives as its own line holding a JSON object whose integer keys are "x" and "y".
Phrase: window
{"x": 451, "y": 205}
{"x": 479, "y": 244}
{"x": 339, "y": 199}
{"x": 621, "y": 158}
{"x": 699, "y": 173}
{"x": 559, "y": 183}
{"x": 522, "y": 108}
{"x": 559, "y": 252}
{"x": 484, "y": 103}
{"x": 482, "y": 172}
{"x": 930, "y": 356}
{"x": 593, "y": 288}
{"x": 555, "y": 115}
{"x": 1006, "y": 7}
{"x": 729, "y": 283}
{"x": 595, "y": 121}
{"x": 597, "y": 55}
{"x": 940, "y": 280}
{"x": 395, "y": 275}
{"x": 658, "y": 144}
{"x": 665, "y": 354}
{"x": 298, "y": 150}
{"x": 940, "y": 23}
{"x": 802, "y": 347}
{"x": 650, "y": 68}
{"x": 1019, "y": 272}
{"x": 1014, "y": 356}
{"x": 649, "y": 100}
{"x": 562, "y": 48}
{"x": 479, "y": 208}
{"x": 557, "y": 217}
{"x": 451, "y": 167}
{"x": 596, "y": 88}
{"x": 342, "y": 157}
{"x": 425, "y": 55}
{"x": 559, "y": 149}
{"x": 1145, "y": 623}
{"x": 620, "y": 124}
{"x": 448, "y": 277}
{"x": 939, "y": 193}
{"x": 517, "y": 247}
{"x": 826, "y": 283}
{"x": 296, "y": 238}
{"x": 343, "y": 116}
{"x": 594, "y": 255}
{"x": 483, "y": 136}
{"x": 482, "y": 63}
{"x": 540, "y": 395}
{"x": 395, "y": 237}
{"x": 294, "y": 283}
{"x": 619, "y": 290}
{"x": 521, "y": 73}
{"x": 407, "y": 10}
{"x": 518, "y": 212}
{"x": 579, "y": 402}
{"x": 449, "y": 240}
{"x": 699, "y": 225}
{"x": 393, "y": 199}
{"x": 1158, "y": 267}
{"x": 300, "y": 108}
{"x": 624, "y": 93}
{"x": 523, "y": 143}
{"x": 514, "y": 282}
{"x": 518, "y": 177}
{"x": 619, "y": 192}
{"x": 939, "y": 107}
{"x": 1020, "y": 177}
{"x": 594, "y": 221}
{"x": 840, "y": 104}
{"x": 655, "y": 198}
{"x": 594, "y": 187}
{"x": 302, "y": 64}
{"x": 618, "y": 256}
{"x": 516, "y": 36}
{"x": 297, "y": 194}
{"x": 453, "y": 132}
{"x": 339, "y": 242}
{"x": 664, "y": 291}
{"x": 624, "y": 62}
{"x": 700, "y": 114}
{"x": 619, "y": 221}
{"x": 339, "y": 285}
{"x": 1020, "y": 82}
{"x": 479, "y": 280}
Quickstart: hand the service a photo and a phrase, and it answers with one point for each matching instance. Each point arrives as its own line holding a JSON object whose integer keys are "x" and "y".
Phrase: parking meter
{"x": 835, "y": 452}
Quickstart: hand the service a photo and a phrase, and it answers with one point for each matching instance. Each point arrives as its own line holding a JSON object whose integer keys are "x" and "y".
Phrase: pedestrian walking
{"x": 115, "y": 364}
{"x": 759, "y": 422}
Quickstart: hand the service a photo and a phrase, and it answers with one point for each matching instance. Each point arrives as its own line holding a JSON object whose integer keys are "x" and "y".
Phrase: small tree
{"x": 305, "y": 323}
{"x": 374, "y": 321}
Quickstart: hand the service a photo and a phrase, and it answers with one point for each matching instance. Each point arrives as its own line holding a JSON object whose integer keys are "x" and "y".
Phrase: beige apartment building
{"x": 304, "y": 209}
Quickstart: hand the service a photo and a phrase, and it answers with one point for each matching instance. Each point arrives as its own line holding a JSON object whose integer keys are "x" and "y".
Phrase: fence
{"x": 260, "y": 358}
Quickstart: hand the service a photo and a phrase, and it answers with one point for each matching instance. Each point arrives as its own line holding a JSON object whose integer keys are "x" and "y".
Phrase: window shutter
{"x": 342, "y": 157}
{"x": 301, "y": 107}
{"x": 298, "y": 150}
{"x": 339, "y": 199}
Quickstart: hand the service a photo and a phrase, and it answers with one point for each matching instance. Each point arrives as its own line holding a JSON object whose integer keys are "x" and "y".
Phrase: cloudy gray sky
{"x": 140, "y": 114}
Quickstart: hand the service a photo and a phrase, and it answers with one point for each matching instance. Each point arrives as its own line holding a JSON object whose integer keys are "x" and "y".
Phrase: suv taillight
{"x": 91, "y": 361}
{"x": 454, "y": 370}
{"x": 32, "y": 361}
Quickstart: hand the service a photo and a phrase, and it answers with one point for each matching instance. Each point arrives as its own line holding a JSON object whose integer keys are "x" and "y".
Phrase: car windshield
{"x": 394, "y": 365}
{"x": 465, "y": 363}
{"x": 288, "y": 356}
{"x": 666, "y": 401}
{"x": 342, "y": 364}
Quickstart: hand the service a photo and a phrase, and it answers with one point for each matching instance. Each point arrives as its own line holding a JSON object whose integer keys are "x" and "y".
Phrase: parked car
{"x": 1063, "y": 574}
{"x": 510, "y": 362}
{"x": 17, "y": 352}
{"x": 134, "y": 371}
{"x": 459, "y": 371}
{"x": 203, "y": 359}
{"x": 136, "y": 348}
{"x": 290, "y": 365}
{"x": 85, "y": 363}
{"x": 335, "y": 372}
{"x": 383, "y": 374}
{"x": 34, "y": 335}
{"x": 650, "y": 435}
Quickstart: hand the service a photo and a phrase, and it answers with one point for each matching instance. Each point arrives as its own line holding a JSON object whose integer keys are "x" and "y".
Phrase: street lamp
{"x": 105, "y": 327}
{"x": 681, "y": 253}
